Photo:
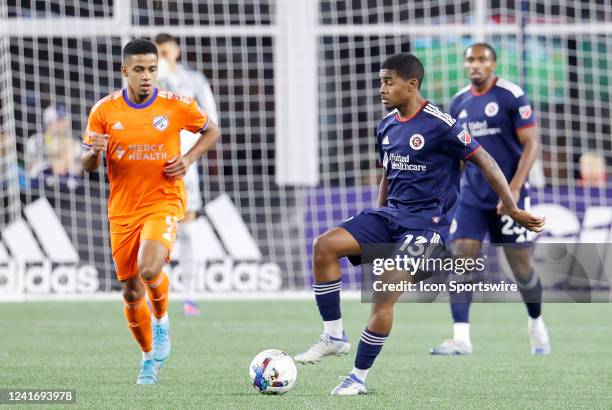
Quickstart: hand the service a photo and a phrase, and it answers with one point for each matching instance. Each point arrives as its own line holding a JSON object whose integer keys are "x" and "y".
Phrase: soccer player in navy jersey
{"x": 497, "y": 114}
{"x": 420, "y": 149}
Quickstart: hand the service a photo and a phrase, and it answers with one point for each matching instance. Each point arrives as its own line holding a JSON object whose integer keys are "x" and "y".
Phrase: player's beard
{"x": 143, "y": 95}
{"x": 479, "y": 82}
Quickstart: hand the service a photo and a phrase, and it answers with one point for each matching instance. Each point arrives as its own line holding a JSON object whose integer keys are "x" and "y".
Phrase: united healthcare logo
{"x": 401, "y": 163}
{"x": 37, "y": 257}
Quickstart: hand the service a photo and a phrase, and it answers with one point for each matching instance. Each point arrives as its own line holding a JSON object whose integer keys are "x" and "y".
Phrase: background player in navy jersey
{"x": 497, "y": 113}
{"x": 420, "y": 149}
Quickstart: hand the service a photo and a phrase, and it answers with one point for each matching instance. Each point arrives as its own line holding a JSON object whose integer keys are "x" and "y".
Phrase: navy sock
{"x": 460, "y": 306}
{"x": 327, "y": 295}
{"x": 531, "y": 291}
{"x": 369, "y": 347}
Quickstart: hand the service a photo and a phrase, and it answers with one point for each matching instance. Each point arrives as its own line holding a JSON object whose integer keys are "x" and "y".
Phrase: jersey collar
{"x": 398, "y": 118}
{"x": 139, "y": 106}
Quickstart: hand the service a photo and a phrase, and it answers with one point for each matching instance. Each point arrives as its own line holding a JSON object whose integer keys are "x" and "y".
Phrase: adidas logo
{"x": 462, "y": 114}
{"x": 37, "y": 257}
{"x": 385, "y": 140}
{"x": 231, "y": 259}
{"x": 118, "y": 125}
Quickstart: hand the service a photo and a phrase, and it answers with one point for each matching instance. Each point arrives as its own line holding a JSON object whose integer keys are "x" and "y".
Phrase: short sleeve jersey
{"x": 493, "y": 119}
{"x": 142, "y": 139}
{"x": 421, "y": 156}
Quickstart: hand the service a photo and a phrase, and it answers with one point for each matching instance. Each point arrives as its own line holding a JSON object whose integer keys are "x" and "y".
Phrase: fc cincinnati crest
{"x": 491, "y": 109}
{"x": 417, "y": 142}
{"x": 161, "y": 122}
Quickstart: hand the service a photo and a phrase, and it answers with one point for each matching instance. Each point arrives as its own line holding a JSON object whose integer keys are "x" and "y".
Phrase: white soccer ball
{"x": 273, "y": 372}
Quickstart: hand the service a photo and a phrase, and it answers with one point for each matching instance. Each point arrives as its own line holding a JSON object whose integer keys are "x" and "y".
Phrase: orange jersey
{"x": 142, "y": 138}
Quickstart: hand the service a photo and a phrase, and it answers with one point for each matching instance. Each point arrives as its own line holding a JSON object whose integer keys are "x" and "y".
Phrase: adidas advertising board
{"x": 37, "y": 256}
{"x": 230, "y": 261}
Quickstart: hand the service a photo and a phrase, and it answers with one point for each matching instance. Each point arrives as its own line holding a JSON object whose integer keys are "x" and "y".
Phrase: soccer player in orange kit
{"x": 137, "y": 129}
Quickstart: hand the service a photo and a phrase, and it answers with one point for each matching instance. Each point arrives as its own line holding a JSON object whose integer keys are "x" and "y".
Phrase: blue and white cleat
{"x": 350, "y": 386}
{"x": 451, "y": 347}
{"x": 161, "y": 342}
{"x": 325, "y": 346}
{"x": 538, "y": 337}
{"x": 148, "y": 372}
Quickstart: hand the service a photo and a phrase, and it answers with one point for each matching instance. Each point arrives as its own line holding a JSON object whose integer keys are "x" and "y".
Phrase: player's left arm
{"x": 195, "y": 120}
{"x": 483, "y": 160}
{"x": 527, "y": 133}
{"x": 177, "y": 167}
{"x": 529, "y": 139}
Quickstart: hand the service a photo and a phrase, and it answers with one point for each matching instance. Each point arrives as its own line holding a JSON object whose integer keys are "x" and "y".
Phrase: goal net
{"x": 58, "y": 57}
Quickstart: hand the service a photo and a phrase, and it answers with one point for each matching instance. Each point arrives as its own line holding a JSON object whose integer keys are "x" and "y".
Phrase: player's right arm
{"x": 90, "y": 157}
{"x": 383, "y": 187}
{"x": 95, "y": 139}
{"x": 382, "y": 190}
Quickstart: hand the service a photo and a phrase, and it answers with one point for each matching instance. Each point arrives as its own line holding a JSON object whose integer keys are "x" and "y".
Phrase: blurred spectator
{"x": 53, "y": 156}
{"x": 593, "y": 170}
{"x": 10, "y": 172}
{"x": 5, "y": 170}
{"x": 55, "y": 147}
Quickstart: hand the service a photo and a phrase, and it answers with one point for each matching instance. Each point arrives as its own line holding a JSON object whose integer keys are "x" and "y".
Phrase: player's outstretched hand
{"x": 99, "y": 143}
{"x": 176, "y": 167}
{"x": 527, "y": 220}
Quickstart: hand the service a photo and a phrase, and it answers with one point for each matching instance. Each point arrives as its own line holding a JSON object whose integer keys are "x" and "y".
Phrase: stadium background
{"x": 297, "y": 89}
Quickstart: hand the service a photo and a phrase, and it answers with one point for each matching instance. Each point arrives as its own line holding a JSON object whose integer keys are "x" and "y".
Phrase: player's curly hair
{"x": 139, "y": 46}
{"x": 485, "y": 45}
{"x": 406, "y": 65}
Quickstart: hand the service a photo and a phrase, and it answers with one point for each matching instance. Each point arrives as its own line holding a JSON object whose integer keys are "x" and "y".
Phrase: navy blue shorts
{"x": 372, "y": 228}
{"x": 474, "y": 223}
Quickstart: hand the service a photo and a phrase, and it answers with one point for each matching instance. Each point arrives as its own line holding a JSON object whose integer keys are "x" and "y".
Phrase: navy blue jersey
{"x": 493, "y": 119}
{"x": 421, "y": 156}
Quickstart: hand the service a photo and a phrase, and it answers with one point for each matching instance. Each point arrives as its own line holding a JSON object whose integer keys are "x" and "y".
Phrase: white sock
{"x": 161, "y": 321}
{"x": 361, "y": 374}
{"x": 147, "y": 355}
{"x": 334, "y": 328}
{"x": 461, "y": 332}
{"x": 537, "y": 323}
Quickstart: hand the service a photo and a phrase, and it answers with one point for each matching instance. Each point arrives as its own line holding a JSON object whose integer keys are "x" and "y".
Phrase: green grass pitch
{"x": 87, "y": 346}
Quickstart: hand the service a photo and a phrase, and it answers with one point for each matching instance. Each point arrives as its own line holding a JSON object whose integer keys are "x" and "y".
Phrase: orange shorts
{"x": 126, "y": 239}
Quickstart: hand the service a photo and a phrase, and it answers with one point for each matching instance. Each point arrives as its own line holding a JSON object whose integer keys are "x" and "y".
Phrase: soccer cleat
{"x": 148, "y": 372}
{"x": 161, "y": 342}
{"x": 190, "y": 308}
{"x": 451, "y": 347}
{"x": 538, "y": 337}
{"x": 325, "y": 346}
{"x": 349, "y": 386}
